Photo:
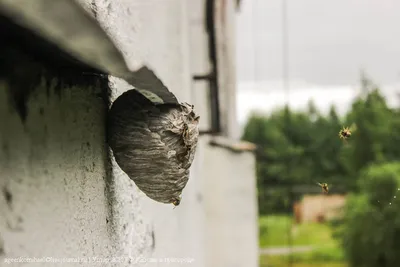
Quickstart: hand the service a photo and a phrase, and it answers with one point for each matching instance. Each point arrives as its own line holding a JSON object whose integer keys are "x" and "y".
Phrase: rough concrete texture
{"x": 155, "y": 33}
{"x": 53, "y": 198}
{"x": 199, "y": 61}
{"x": 230, "y": 203}
{"x": 61, "y": 197}
{"x": 170, "y": 37}
{"x": 152, "y": 32}
{"x": 225, "y": 24}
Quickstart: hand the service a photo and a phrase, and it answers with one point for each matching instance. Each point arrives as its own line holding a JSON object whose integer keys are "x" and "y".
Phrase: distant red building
{"x": 318, "y": 208}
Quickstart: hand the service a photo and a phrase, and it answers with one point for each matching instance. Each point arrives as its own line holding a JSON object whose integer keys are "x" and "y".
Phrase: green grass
{"x": 331, "y": 254}
{"x": 274, "y": 231}
{"x": 275, "y": 261}
{"x": 326, "y": 253}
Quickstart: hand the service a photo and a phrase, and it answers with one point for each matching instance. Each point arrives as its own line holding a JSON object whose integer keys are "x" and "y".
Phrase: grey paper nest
{"x": 153, "y": 144}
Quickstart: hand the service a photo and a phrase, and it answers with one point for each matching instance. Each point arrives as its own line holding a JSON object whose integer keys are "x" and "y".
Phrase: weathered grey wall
{"x": 231, "y": 206}
{"x": 199, "y": 61}
{"x": 53, "y": 199}
{"x": 225, "y": 24}
{"x": 155, "y": 33}
{"x": 67, "y": 199}
{"x": 171, "y": 37}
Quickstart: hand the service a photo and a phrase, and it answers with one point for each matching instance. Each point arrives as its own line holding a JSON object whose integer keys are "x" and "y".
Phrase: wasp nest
{"x": 154, "y": 144}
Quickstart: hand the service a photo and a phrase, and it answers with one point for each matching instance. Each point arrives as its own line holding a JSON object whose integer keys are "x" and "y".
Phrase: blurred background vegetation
{"x": 301, "y": 148}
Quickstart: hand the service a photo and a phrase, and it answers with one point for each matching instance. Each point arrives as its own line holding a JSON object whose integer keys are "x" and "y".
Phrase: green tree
{"x": 272, "y": 145}
{"x": 283, "y": 157}
{"x": 326, "y": 151}
{"x": 371, "y": 233}
{"x": 374, "y": 121}
{"x": 300, "y": 148}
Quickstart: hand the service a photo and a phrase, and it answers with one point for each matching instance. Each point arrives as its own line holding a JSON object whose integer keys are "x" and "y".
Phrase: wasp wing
{"x": 353, "y": 127}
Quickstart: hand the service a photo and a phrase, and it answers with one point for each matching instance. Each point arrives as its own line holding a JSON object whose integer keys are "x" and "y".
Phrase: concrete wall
{"x": 231, "y": 206}
{"x": 53, "y": 168}
{"x": 163, "y": 45}
{"x": 225, "y": 24}
{"x": 228, "y": 184}
{"x": 199, "y": 62}
{"x": 70, "y": 202}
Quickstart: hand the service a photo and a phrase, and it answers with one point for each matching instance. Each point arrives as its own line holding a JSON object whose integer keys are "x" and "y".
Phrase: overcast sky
{"x": 330, "y": 42}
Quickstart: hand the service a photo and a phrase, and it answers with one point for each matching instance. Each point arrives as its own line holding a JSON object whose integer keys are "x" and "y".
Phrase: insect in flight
{"x": 324, "y": 186}
{"x": 345, "y": 132}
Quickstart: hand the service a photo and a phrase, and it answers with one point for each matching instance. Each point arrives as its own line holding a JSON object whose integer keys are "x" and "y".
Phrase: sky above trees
{"x": 329, "y": 41}
{"x": 330, "y": 44}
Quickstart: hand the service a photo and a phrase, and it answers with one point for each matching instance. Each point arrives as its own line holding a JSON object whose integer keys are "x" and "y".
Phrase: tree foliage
{"x": 302, "y": 147}
{"x": 371, "y": 233}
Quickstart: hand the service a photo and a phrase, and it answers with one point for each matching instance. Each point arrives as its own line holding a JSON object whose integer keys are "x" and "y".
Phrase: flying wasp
{"x": 324, "y": 186}
{"x": 345, "y": 132}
